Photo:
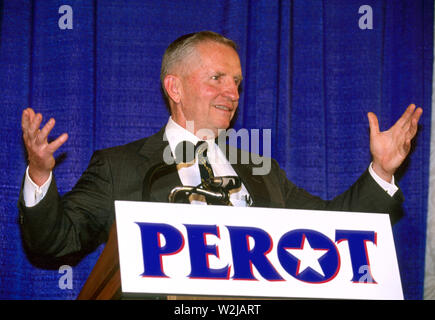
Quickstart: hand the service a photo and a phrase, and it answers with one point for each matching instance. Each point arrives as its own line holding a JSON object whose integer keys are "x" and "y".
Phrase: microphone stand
{"x": 216, "y": 189}
{"x": 217, "y": 197}
{"x": 216, "y": 193}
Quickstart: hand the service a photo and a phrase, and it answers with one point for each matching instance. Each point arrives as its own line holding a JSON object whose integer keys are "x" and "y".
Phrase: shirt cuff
{"x": 389, "y": 187}
{"x": 32, "y": 193}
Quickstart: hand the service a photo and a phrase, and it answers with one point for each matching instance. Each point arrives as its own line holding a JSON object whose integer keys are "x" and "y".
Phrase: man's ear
{"x": 173, "y": 85}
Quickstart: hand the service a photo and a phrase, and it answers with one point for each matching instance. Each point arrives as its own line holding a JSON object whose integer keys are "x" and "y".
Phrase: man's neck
{"x": 189, "y": 126}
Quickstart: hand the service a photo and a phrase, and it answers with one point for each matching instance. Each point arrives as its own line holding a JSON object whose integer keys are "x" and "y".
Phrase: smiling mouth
{"x": 221, "y": 107}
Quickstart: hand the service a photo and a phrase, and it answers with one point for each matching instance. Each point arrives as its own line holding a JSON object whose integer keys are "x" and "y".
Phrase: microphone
{"x": 225, "y": 182}
{"x": 218, "y": 189}
{"x": 215, "y": 189}
{"x": 184, "y": 153}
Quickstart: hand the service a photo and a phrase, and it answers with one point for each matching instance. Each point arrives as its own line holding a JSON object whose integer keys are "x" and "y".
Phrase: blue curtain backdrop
{"x": 311, "y": 76}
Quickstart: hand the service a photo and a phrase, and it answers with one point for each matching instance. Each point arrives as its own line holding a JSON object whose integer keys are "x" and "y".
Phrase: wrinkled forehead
{"x": 215, "y": 55}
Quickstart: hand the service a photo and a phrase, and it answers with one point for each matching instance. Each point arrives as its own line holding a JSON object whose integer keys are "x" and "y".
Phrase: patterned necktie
{"x": 204, "y": 165}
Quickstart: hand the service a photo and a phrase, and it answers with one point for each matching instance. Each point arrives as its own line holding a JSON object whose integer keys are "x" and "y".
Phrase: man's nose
{"x": 231, "y": 90}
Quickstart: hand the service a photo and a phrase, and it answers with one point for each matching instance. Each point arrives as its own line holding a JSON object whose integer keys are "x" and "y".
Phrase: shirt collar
{"x": 176, "y": 134}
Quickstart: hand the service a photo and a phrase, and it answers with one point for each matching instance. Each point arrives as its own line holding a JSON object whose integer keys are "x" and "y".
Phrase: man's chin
{"x": 211, "y": 133}
{"x": 224, "y": 124}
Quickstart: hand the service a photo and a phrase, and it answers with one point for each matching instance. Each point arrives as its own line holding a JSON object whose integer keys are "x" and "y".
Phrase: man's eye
{"x": 215, "y": 77}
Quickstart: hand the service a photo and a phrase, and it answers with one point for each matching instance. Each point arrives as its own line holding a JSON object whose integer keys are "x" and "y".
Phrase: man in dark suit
{"x": 200, "y": 77}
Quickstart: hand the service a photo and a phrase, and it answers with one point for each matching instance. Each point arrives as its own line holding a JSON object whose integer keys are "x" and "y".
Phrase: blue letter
{"x": 329, "y": 262}
{"x": 358, "y": 250}
{"x": 199, "y": 251}
{"x": 244, "y": 257}
{"x": 153, "y": 251}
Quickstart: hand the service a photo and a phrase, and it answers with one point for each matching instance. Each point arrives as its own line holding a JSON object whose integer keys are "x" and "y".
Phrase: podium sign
{"x": 182, "y": 249}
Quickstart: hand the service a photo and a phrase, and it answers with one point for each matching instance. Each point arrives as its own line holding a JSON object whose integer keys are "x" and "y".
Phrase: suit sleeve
{"x": 365, "y": 195}
{"x": 78, "y": 221}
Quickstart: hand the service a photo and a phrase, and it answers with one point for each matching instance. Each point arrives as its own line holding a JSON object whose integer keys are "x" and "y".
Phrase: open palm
{"x": 390, "y": 148}
{"x": 39, "y": 150}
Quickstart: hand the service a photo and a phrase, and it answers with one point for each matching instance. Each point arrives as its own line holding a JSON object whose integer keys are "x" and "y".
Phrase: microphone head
{"x": 184, "y": 152}
{"x": 225, "y": 182}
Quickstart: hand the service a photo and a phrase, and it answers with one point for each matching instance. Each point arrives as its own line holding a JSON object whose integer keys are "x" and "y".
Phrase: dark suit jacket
{"x": 81, "y": 219}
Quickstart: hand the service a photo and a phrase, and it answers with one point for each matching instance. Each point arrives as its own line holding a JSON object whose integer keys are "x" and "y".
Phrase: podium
{"x": 182, "y": 251}
{"x": 104, "y": 282}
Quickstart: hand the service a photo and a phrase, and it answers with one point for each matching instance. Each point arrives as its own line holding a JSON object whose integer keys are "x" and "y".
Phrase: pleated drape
{"x": 311, "y": 75}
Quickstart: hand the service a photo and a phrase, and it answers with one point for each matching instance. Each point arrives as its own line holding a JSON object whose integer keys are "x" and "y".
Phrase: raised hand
{"x": 39, "y": 151}
{"x": 390, "y": 148}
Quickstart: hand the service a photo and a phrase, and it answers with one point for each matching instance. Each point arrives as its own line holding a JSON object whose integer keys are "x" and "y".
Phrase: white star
{"x": 308, "y": 257}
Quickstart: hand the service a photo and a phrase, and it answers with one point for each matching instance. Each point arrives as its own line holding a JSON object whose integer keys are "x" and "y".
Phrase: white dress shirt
{"x": 188, "y": 173}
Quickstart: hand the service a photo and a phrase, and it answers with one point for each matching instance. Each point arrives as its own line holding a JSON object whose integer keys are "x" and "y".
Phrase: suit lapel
{"x": 255, "y": 184}
{"x": 168, "y": 178}
{"x": 165, "y": 177}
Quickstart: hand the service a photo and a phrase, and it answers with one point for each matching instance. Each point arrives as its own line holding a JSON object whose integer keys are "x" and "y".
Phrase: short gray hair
{"x": 184, "y": 46}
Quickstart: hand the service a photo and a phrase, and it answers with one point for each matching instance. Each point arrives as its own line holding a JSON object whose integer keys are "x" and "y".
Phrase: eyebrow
{"x": 238, "y": 77}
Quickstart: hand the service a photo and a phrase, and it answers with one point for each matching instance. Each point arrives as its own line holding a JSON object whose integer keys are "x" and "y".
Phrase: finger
{"x": 54, "y": 145}
{"x": 412, "y": 131}
{"x": 31, "y": 114}
{"x": 34, "y": 125}
{"x": 414, "y": 117}
{"x": 25, "y": 119}
{"x": 373, "y": 123}
{"x": 406, "y": 116}
{"x": 25, "y": 123}
{"x": 417, "y": 114}
{"x": 43, "y": 134}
